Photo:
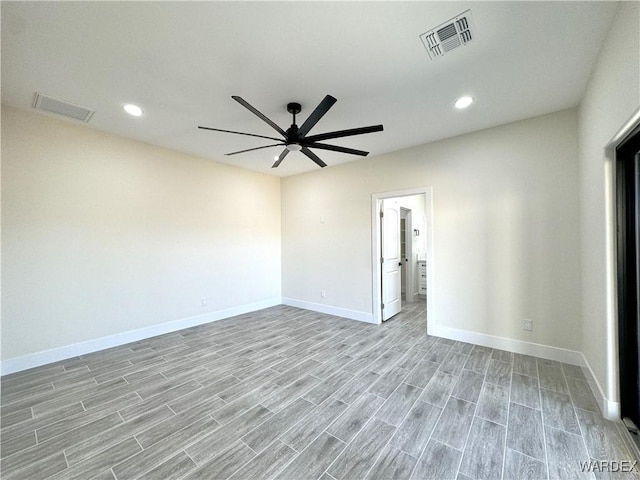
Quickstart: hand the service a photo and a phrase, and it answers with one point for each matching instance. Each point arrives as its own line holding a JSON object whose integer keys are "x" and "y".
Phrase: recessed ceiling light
{"x": 132, "y": 109}
{"x": 463, "y": 102}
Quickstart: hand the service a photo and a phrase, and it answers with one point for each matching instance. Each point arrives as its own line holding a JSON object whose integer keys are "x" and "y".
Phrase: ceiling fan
{"x": 295, "y": 138}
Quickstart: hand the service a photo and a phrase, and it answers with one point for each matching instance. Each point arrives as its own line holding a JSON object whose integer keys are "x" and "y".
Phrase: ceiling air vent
{"x": 450, "y": 35}
{"x": 60, "y": 107}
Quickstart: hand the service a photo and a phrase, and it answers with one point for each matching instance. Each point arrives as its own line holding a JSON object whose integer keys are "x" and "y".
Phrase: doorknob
{"x": 399, "y": 264}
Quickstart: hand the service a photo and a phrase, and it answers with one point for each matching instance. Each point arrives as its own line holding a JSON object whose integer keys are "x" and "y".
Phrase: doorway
{"x": 406, "y": 253}
{"x": 627, "y": 180}
{"x": 415, "y": 206}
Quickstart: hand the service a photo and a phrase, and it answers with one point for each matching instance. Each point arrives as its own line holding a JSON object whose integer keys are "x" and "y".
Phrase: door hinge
{"x": 382, "y": 306}
{"x": 381, "y": 260}
{"x": 381, "y": 214}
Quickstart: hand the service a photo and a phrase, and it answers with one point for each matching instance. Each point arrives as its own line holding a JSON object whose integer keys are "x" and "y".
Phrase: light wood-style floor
{"x": 291, "y": 394}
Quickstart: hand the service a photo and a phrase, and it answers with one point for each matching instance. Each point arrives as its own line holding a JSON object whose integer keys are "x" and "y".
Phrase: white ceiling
{"x": 182, "y": 61}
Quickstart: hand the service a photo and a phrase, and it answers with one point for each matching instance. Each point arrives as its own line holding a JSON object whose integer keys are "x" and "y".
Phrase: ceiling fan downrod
{"x": 293, "y": 137}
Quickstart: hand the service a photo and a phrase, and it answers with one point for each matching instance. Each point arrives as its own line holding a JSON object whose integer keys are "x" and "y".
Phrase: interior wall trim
{"x": 330, "y": 310}
{"x": 18, "y": 364}
{"x": 558, "y": 354}
{"x": 610, "y": 409}
{"x": 612, "y": 380}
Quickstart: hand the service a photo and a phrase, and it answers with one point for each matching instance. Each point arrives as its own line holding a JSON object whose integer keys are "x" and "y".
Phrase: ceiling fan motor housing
{"x": 292, "y": 133}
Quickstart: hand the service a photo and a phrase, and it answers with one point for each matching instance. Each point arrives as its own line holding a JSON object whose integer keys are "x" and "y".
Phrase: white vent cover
{"x": 60, "y": 107}
{"x": 450, "y": 35}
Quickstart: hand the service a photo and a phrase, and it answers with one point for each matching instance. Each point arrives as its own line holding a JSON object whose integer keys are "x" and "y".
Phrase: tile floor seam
{"x": 544, "y": 427}
{"x": 340, "y": 453}
{"x": 381, "y": 449}
{"x": 575, "y": 407}
{"x": 524, "y": 454}
{"x": 318, "y": 435}
{"x": 307, "y": 446}
{"x": 249, "y": 447}
{"x": 363, "y": 426}
{"x": 292, "y": 426}
{"x": 473, "y": 417}
{"x": 374, "y": 461}
{"x": 506, "y": 426}
{"x": 163, "y": 458}
{"x": 424, "y": 448}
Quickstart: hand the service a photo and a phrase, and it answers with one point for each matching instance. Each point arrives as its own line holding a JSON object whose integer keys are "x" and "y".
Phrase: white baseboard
{"x": 330, "y": 310}
{"x": 609, "y": 408}
{"x": 564, "y": 355}
{"x": 37, "y": 359}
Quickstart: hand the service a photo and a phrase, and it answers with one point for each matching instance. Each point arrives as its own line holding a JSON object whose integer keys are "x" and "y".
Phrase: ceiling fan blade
{"x": 324, "y": 146}
{"x": 239, "y": 133}
{"x": 322, "y": 108}
{"x": 280, "y": 158}
{"x": 256, "y": 148}
{"x": 253, "y": 110}
{"x": 313, "y": 157}
{"x": 344, "y": 133}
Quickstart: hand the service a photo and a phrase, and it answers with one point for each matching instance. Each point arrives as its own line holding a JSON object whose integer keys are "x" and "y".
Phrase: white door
{"x": 391, "y": 260}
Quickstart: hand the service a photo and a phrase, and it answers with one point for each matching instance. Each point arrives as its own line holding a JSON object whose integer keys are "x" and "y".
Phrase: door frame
{"x": 376, "y": 244}
{"x": 408, "y": 267}
{"x": 609, "y": 392}
{"x": 628, "y": 224}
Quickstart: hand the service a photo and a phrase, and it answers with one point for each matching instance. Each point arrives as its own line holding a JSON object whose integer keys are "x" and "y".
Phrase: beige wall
{"x": 612, "y": 96}
{"x": 104, "y": 235}
{"x": 506, "y": 229}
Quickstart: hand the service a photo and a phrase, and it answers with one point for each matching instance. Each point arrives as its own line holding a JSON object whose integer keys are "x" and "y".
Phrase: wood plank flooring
{"x": 289, "y": 394}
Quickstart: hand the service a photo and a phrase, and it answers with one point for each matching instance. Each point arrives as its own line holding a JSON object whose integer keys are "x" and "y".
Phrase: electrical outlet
{"x": 203, "y": 301}
{"x": 323, "y": 293}
{"x": 527, "y": 325}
